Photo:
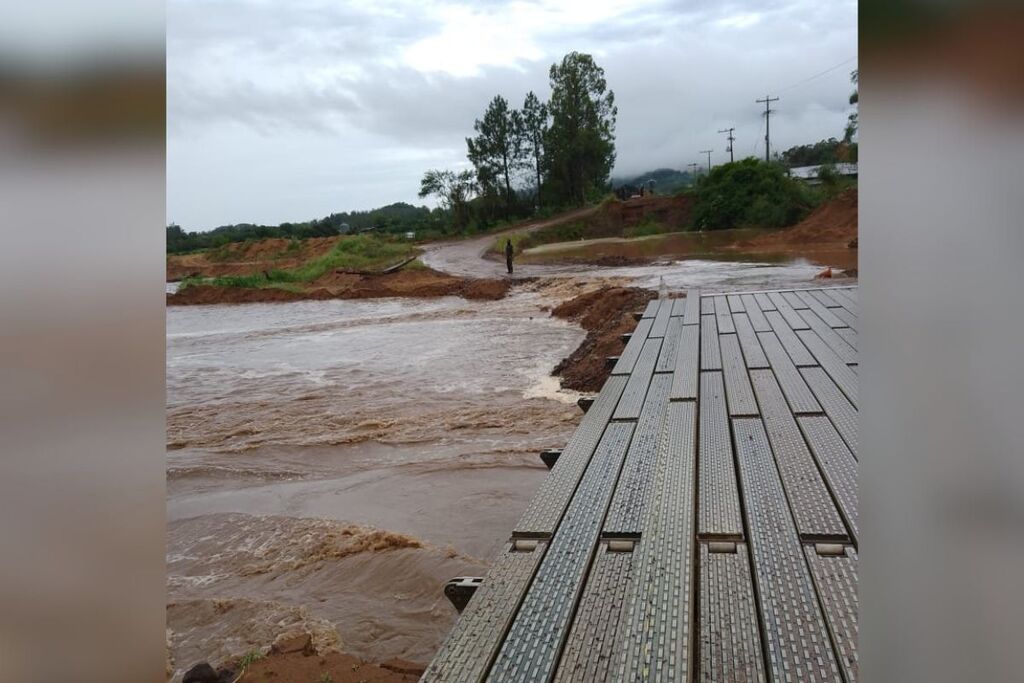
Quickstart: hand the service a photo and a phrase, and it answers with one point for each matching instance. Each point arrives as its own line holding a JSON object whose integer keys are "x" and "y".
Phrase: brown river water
{"x": 331, "y": 464}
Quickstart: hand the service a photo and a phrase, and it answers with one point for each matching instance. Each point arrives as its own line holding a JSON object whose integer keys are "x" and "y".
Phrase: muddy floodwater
{"x": 331, "y": 464}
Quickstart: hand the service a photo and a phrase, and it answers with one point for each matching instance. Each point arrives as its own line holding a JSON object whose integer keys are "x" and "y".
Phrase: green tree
{"x": 497, "y": 150}
{"x": 534, "y": 120}
{"x": 852, "y": 120}
{"x": 749, "y": 193}
{"x": 580, "y": 145}
{"x": 454, "y": 190}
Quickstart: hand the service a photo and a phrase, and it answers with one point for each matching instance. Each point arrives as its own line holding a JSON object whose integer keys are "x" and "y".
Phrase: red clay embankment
{"x": 341, "y": 285}
{"x": 605, "y": 314}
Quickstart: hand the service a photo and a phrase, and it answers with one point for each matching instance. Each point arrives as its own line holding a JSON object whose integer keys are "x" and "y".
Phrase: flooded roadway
{"x": 332, "y": 463}
{"x": 465, "y": 258}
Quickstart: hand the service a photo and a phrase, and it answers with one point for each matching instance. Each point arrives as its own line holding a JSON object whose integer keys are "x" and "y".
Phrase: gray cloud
{"x": 287, "y": 111}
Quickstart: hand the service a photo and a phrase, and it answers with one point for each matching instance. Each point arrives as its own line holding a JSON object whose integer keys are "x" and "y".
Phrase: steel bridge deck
{"x": 702, "y": 522}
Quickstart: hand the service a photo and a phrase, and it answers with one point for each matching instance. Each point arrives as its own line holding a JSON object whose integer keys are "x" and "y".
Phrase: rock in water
{"x": 290, "y": 642}
{"x": 201, "y": 673}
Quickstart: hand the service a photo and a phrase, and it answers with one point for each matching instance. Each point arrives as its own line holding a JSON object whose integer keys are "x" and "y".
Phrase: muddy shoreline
{"x": 418, "y": 283}
{"x": 606, "y": 314}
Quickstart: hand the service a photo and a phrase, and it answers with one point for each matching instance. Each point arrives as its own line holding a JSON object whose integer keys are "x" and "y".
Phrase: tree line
{"x": 393, "y": 218}
{"x": 543, "y": 156}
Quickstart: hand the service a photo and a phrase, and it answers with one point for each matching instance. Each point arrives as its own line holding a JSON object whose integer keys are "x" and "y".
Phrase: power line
{"x": 817, "y": 75}
{"x": 768, "y": 99}
{"x": 694, "y": 173}
{"x": 730, "y": 138}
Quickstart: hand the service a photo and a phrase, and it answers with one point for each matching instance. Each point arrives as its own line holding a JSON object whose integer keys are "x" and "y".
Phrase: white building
{"x": 809, "y": 174}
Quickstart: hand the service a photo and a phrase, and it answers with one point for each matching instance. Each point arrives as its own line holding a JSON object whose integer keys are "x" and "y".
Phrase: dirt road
{"x": 465, "y": 257}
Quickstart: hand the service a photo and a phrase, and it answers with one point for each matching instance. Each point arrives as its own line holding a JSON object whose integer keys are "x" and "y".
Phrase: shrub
{"x": 749, "y": 193}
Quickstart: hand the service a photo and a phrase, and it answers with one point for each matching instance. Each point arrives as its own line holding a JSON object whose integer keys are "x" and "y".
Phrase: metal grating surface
{"x": 754, "y": 314}
{"x": 669, "y": 346}
{"x": 551, "y": 499}
{"x": 837, "y": 464}
{"x": 629, "y": 504}
{"x": 723, "y": 316}
{"x": 752, "y": 353}
{"x": 824, "y": 298}
{"x": 796, "y": 638}
{"x": 710, "y": 357}
{"x": 658, "y": 460}
{"x": 730, "y": 642}
{"x": 836, "y": 581}
{"x": 656, "y": 637}
{"x": 849, "y": 336}
{"x": 793, "y": 319}
{"x": 678, "y": 307}
{"x": 661, "y": 319}
{"x": 740, "y": 396}
{"x": 839, "y": 410}
{"x": 847, "y": 299}
{"x": 684, "y": 378}
{"x": 830, "y": 336}
{"x": 846, "y": 316}
{"x": 798, "y": 394}
{"x": 472, "y": 642}
{"x": 627, "y": 359}
{"x": 794, "y": 300}
{"x": 798, "y": 353}
{"x": 764, "y": 302}
{"x": 815, "y": 513}
{"x": 693, "y": 304}
{"x": 636, "y": 388}
{"x": 531, "y": 647}
{"x": 590, "y": 652}
{"x": 840, "y": 372}
{"x": 821, "y": 310}
{"x": 719, "y": 501}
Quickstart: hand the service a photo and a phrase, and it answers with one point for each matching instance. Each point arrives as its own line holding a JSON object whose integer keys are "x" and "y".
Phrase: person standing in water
{"x": 508, "y": 255}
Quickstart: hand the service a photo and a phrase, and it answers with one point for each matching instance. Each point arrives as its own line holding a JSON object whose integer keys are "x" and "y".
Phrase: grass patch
{"x": 520, "y": 241}
{"x": 249, "y": 659}
{"x": 415, "y": 265}
{"x": 645, "y": 228}
{"x": 358, "y": 252}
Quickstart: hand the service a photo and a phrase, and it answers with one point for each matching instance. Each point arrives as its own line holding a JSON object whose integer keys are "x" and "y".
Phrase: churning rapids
{"x": 331, "y": 463}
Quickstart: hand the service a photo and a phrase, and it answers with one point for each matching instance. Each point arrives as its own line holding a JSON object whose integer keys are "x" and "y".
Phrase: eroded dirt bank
{"x": 418, "y": 283}
{"x": 248, "y": 258}
{"x": 605, "y": 314}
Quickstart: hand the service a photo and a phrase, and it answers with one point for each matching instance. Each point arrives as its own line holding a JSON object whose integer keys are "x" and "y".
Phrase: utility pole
{"x": 708, "y": 152}
{"x": 730, "y": 138}
{"x": 768, "y": 99}
{"x": 693, "y": 171}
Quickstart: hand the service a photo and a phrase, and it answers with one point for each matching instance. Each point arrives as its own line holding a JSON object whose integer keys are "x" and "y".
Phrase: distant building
{"x": 809, "y": 174}
{"x": 343, "y": 229}
{"x": 410, "y": 235}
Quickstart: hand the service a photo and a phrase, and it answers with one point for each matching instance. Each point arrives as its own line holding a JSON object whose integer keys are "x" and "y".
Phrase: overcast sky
{"x": 287, "y": 110}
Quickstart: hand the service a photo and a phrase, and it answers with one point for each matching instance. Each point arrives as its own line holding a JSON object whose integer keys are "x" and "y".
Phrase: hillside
{"x": 833, "y": 222}
{"x": 613, "y": 218}
{"x": 666, "y": 180}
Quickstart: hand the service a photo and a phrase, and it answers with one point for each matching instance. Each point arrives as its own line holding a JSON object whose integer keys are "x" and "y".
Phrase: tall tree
{"x": 535, "y": 128}
{"x": 852, "y": 121}
{"x": 580, "y": 146}
{"x": 497, "y": 150}
{"x": 454, "y": 190}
